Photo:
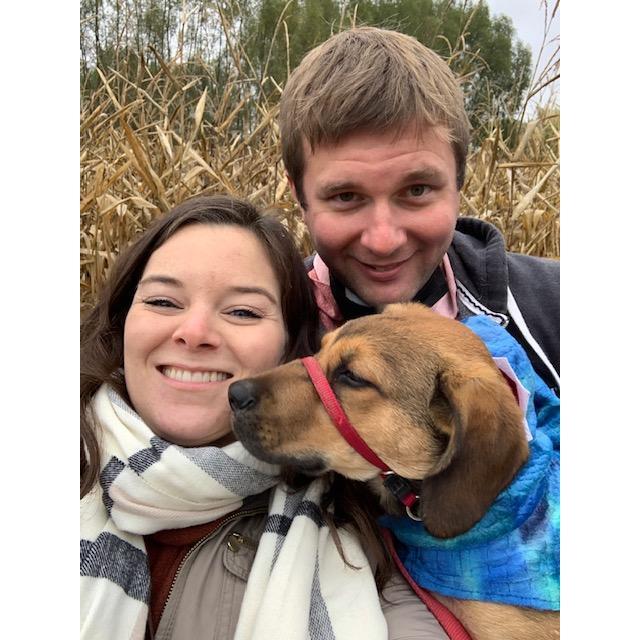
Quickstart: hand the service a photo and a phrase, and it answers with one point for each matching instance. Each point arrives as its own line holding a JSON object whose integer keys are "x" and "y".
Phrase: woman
{"x": 183, "y": 533}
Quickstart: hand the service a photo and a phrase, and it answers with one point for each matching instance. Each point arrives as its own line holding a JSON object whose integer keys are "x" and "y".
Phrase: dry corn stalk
{"x": 146, "y": 148}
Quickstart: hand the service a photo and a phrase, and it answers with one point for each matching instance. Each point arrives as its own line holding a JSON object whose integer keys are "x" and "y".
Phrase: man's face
{"x": 381, "y": 210}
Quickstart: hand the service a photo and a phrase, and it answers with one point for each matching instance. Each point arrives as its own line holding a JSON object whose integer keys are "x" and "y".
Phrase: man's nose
{"x": 198, "y": 328}
{"x": 384, "y": 234}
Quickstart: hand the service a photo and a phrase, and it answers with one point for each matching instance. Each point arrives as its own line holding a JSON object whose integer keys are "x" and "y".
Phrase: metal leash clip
{"x": 402, "y": 491}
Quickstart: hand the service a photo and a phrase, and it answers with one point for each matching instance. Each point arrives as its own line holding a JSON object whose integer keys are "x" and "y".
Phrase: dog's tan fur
{"x": 434, "y": 407}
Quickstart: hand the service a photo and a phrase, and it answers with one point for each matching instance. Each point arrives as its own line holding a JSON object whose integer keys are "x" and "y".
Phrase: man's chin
{"x": 379, "y": 297}
{"x": 377, "y": 293}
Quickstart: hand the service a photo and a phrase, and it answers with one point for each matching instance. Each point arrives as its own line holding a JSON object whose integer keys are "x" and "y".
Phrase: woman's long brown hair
{"x": 102, "y": 330}
{"x": 102, "y": 347}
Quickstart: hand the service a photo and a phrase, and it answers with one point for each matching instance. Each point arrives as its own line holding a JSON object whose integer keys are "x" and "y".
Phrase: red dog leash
{"x": 395, "y": 483}
{"x": 398, "y": 485}
{"x": 451, "y": 625}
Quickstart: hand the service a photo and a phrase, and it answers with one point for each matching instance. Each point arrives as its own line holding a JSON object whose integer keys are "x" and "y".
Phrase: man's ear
{"x": 292, "y": 186}
{"x": 487, "y": 447}
{"x": 296, "y": 196}
{"x": 294, "y": 191}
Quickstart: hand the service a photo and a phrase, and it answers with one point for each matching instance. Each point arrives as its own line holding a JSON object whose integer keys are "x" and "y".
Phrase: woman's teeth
{"x": 195, "y": 376}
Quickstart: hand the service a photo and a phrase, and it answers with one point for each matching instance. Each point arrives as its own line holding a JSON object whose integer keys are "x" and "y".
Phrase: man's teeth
{"x": 194, "y": 376}
{"x": 384, "y": 268}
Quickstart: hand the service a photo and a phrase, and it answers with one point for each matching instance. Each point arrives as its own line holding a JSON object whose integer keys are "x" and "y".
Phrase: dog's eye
{"x": 346, "y": 376}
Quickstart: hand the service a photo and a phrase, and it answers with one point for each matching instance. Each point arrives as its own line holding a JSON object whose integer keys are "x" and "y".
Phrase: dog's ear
{"x": 486, "y": 448}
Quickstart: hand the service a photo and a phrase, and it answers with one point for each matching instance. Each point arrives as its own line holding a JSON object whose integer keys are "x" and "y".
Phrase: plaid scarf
{"x": 299, "y": 586}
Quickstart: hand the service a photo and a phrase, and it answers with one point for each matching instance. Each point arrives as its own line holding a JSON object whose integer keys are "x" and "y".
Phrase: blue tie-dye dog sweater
{"x": 512, "y": 555}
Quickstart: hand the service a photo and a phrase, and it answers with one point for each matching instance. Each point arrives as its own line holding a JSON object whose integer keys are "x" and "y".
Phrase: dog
{"x": 425, "y": 396}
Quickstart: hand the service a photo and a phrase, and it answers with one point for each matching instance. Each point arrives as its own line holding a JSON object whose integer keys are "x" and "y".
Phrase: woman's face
{"x": 206, "y": 312}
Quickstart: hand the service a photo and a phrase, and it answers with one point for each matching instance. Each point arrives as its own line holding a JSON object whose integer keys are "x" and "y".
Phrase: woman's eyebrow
{"x": 160, "y": 279}
{"x": 174, "y": 282}
{"x": 259, "y": 290}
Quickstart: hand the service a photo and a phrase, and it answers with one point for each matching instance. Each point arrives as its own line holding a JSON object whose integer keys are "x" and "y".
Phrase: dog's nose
{"x": 242, "y": 395}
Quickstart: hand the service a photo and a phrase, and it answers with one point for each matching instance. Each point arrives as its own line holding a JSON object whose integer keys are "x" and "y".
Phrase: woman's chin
{"x": 195, "y": 434}
{"x": 225, "y": 440}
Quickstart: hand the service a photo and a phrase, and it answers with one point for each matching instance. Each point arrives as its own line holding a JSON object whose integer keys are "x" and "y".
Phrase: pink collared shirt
{"x": 330, "y": 314}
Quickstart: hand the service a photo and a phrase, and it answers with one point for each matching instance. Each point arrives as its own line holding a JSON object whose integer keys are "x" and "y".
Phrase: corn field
{"x": 147, "y": 144}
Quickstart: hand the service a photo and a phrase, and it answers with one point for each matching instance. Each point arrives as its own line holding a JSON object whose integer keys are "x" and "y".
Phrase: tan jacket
{"x": 207, "y": 591}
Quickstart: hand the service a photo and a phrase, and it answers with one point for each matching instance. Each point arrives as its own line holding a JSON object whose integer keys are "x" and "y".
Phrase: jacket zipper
{"x": 197, "y": 545}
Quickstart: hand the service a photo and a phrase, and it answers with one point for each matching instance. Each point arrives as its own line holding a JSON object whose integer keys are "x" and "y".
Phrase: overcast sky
{"x": 528, "y": 20}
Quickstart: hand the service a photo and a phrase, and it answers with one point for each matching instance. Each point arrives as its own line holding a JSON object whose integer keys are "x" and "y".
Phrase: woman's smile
{"x": 201, "y": 376}
{"x": 197, "y": 324}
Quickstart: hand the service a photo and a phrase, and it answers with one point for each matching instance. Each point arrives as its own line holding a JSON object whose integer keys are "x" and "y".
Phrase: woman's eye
{"x": 161, "y": 302}
{"x": 245, "y": 313}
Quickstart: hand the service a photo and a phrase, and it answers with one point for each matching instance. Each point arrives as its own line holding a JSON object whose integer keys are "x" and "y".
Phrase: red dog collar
{"x": 398, "y": 485}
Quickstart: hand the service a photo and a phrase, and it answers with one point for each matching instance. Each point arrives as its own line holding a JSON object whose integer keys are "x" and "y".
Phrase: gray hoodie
{"x": 521, "y": 292}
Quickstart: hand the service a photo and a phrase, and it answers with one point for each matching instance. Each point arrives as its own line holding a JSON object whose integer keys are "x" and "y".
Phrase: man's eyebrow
{"x": 337, "y": 186}
{"x": 423, "y": 175}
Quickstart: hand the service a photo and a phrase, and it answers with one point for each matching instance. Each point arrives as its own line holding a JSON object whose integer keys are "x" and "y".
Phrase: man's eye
{"x": 345, "y": 196}
{"x": 417, "y": 190}
{"x": 161, "y": 302}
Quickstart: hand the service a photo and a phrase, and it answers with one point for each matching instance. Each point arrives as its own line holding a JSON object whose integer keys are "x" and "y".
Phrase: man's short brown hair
{"x": 369, "y": 79}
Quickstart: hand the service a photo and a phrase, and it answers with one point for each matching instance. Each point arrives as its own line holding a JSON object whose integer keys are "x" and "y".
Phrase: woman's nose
{"x": 197, "y": 328}
{"x": 384, "y": 235}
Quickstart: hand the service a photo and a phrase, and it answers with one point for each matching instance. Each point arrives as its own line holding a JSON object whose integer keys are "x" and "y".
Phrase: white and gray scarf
{"x": 299, "y": 586}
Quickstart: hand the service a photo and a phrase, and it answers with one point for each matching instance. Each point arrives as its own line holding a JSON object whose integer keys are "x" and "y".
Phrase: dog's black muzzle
{"x": 244, "y": 399}
{"x": 243, "y": 395}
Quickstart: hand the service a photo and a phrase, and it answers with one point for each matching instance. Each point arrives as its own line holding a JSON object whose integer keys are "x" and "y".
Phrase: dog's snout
{"x": 243, "y": 395}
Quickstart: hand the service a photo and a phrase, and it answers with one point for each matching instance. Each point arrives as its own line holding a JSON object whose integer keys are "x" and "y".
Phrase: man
{"x": 374, "y": 138}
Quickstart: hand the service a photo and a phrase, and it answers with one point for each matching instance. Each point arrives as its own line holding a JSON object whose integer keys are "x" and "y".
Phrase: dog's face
{"x": 421, "y": 390}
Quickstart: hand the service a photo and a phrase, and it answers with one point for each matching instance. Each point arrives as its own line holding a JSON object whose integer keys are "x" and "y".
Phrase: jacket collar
{"x": 431, "y": 292}
{"x": 479, "y": 260}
